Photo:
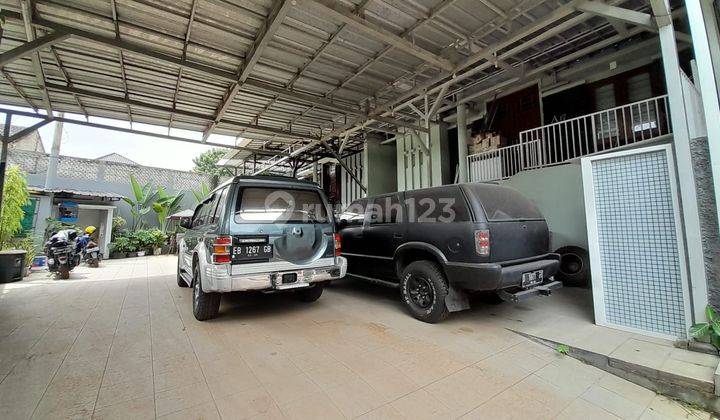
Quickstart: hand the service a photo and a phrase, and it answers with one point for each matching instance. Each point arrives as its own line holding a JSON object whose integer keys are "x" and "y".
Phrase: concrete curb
{"x": 689, "y": 390}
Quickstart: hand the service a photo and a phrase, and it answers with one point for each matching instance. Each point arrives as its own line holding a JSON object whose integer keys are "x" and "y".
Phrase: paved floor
{"x": 121, "y": 342}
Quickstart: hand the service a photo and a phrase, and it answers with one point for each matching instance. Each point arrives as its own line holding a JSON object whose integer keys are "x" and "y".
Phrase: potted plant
{"x": 132, "y": 250}
{"x": 119, "y": 248}
{"x": 143, "y": 241}
{"x": 156, "y": 240}
{"x": 135, "y": 245}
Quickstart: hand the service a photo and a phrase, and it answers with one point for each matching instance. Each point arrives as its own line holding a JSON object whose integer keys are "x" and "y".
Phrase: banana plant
{"x": 141, "y": 202}
{"x": 164, "y": 206}
{"x": 202, "y": 193}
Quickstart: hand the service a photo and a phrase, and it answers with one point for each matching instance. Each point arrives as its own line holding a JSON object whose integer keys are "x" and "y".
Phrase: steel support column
{"x": 5, "y": 140}
{"x": 683, "y": 158}
{"x": 462, "y": 175}
{"x": 344, "y": 166}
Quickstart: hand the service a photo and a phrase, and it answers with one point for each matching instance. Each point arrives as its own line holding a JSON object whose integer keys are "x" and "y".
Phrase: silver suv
{"x": 259, "y": 234}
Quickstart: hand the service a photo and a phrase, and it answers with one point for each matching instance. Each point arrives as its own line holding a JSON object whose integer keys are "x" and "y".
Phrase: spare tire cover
{"x": 301, "y": 244}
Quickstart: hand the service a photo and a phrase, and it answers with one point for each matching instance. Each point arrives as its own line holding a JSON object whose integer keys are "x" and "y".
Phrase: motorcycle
{"x": 90, "y": 251}
{"x": 62, "y": 252}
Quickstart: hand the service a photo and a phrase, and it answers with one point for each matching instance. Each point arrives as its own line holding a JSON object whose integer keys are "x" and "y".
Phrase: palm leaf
{"x": 163, "y": 200}
{"x": 700, "y": 330}
{"x": 137, "y": 189}
{"x": 176, "y": 201}
{"x": 710, "y": 313}
{"x": 149, "y": 199}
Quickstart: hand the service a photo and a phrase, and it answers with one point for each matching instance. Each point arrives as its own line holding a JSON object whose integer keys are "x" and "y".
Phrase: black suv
{"x": 438, "y": 244}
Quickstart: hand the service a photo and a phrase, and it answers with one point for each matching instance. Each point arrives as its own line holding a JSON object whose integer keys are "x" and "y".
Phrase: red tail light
{"x": 222, "y": 259}
{"x": 223, "y": 240}
{"x": 221, "y": 250}
{"x": 338, "y": 245}
{"x": 482, "y": 242}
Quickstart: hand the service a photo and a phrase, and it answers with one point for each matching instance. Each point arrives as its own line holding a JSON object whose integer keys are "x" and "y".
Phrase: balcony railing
{"x": 562, "y": 141}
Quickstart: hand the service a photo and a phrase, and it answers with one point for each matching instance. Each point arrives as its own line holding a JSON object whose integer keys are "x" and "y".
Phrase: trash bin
{"x": 12, "y": 264}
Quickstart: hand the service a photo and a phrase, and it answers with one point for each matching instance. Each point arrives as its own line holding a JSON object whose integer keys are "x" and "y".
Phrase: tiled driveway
{"x": 121, "y": 342}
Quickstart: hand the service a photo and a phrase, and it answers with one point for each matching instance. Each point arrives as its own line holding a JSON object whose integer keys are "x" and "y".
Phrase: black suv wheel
{"x": 424, "y": 288}
{"x": 205, "y": 305}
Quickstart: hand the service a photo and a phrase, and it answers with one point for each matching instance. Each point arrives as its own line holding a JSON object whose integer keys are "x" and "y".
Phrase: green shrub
{"x": 120, "y": 244}
{"x": 146, "y": 239}
{"x": 118, "y": 225}
{"x": 157, "y": 238}
{"x": 15, "y": 196}
{"x": 54, "y": 226}
{"x": 27, "y": 244}
{"x": 709, "y": 331}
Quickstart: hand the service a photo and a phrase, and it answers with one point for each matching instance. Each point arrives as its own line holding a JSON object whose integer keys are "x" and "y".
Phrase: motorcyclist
{"x": 88, "y": 244}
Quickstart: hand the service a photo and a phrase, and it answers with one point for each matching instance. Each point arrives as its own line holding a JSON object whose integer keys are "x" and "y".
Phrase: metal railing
{"x": 504, "y": 162}
{"x": 562, "y": 141}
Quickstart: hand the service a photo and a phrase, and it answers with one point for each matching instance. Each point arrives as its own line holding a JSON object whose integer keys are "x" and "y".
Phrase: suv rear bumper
{"x": 498, "y": 276}
{"x": 231, "y": 278}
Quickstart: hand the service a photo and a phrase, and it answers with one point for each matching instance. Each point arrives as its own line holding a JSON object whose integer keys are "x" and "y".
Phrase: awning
{"x": 184, "y": 214}
{"x": 96, "y": 194}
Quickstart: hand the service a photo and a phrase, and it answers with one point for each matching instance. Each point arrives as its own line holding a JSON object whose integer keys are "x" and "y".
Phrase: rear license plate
{"x": 532, "y": 278}
{"x": 252, "y": 252}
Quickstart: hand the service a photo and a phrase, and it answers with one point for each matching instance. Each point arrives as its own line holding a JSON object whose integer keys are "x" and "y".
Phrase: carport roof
{"x": 287, "y": 76}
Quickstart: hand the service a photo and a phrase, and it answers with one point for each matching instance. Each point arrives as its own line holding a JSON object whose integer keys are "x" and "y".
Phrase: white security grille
{"x": 350, "y": 189}
{"x": 636, "y": 250}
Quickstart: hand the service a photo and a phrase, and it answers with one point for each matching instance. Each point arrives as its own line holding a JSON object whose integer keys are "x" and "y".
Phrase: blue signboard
{"x": 68, "y": 212}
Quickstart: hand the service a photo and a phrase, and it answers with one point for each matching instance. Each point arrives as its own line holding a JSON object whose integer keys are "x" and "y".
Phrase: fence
{"x": 101, "y": 173}
{"x": 559, "y": 142}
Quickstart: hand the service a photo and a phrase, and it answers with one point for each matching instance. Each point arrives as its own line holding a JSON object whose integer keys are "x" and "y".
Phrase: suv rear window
{"x": 278, "y": 205}
{"x": 503, "y": 204}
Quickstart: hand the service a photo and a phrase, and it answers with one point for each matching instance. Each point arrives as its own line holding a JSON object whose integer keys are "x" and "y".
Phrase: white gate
{"x": 637, "y": 254}
{"x": 413, "y": 163}
{"x": 349, "y": 189}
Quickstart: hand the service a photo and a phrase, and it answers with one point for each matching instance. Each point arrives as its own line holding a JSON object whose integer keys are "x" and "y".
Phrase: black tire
{"x": 180, "y": 280}
{"x": 205, "y": 305}
{"x": 310, "y": 295}
{"x": 64, "y": 272}
{"x": 574, "y": 268}
{"x": 423, "y": 287}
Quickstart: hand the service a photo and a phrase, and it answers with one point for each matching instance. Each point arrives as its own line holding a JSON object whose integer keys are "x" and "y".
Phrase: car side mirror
{"x": 186, "y": 223}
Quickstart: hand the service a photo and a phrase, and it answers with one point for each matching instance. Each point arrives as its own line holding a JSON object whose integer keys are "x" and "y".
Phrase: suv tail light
{"x": 222, "y": 250}
{"x": 338, "y": 245}
{"x": 482, "y": 242}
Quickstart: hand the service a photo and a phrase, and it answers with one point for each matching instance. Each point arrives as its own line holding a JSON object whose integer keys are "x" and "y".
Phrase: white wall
{"x": 558, "y": 193}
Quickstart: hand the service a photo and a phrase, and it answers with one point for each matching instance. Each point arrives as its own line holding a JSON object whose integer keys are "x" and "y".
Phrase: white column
{"x": 683, "y": 158}
{"x": 108, "y": 233}
{"x": 54, "y": 155}
{"x": 462, "y": 142}
{"x": 706, "y": 43}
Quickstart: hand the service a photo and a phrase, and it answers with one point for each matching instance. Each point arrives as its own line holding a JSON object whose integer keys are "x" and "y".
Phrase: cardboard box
{"x": 486, "y": 143}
